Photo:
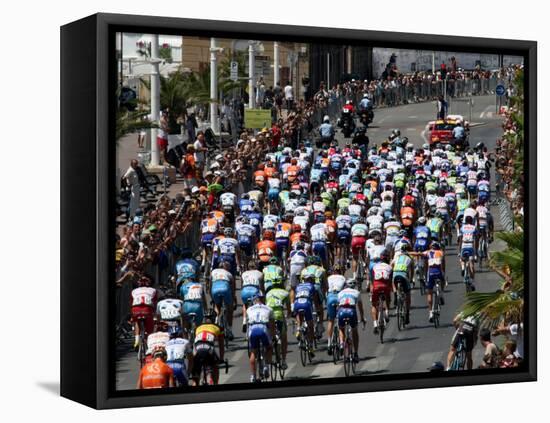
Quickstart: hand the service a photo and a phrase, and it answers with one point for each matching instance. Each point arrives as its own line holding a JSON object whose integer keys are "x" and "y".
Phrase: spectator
{"x": 491, "y": 354}
{"x": 441, "y": 107}
{"x": 200, "y": 153}
{"x": 188, "y": 168}
{"x": 191, "y": 125}
{"x": 132, "y": 180}
{"x": 289, "y": 96}
{"x": 508, "y": 356}
{"x": 162, "y": 136}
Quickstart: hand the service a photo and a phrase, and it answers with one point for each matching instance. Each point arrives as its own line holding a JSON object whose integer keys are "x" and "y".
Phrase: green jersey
{"x": 277, "y": 300}
{"x": 402, "y": 263}
{"x": 399, "y": 180}
{"x": 343, "y": 202}
{"x": 316, "y": 271}
{"x": 273, "y": 274}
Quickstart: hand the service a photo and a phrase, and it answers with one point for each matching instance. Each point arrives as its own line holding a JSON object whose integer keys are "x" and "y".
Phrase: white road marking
{"x": 413, "y": 117}
{"x": 382, "y": 120}
{"x": 487, "y": 109}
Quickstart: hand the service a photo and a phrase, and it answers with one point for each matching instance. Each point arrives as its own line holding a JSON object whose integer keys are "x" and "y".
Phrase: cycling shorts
{"x": 472, "y": 189}
{"x": 281, "y": 326}
{"x": 247, "y": 292}
{"x": 205, "y": 356}
{"x": 206, "y": 240}
{"x": 434, "y": 274}
{"x": 332, "y": 305}
{"x": 221, "y": 291}
{"x": 468, "y": 338}
{"x": 282, "y": 245}
{"x": 225, "y": 257}
{"x": 144, "y": 312}
{"x": 483, "y": 195}
{"x": 305, "y": 305}
{"x": 380, "y": 288}
{"x": 320, "y": 249}
{"x": 401, "y": 278}
{"x": 273, "y": 194}
{"x": 193, "y": 307}
{"x": 180, "y": 372}
{"x": 421, "y": 245}
{"x": 258, "y": 334}
{"x": 466, "y": 253}
{"x": 357, "y": 244}
{"x": 343, "y": 236}
{"x": 347, "y": 313}
{"x": 245, "y": 244}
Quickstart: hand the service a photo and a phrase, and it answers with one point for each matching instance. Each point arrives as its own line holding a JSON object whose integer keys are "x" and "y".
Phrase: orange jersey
{"x": 331, "y": 226}
{"x": 266, "y": 250}
{"x": 218, "y": 215}
{"x": 283, "y": 230}
{"x": 270, "y": 171}
{"x": 408, "y": 215}
{"x": 292, "y": 173}
{"x": 259, "y": 177}
{"x": 156, "y": 374}
{"x": 295, "y": 237}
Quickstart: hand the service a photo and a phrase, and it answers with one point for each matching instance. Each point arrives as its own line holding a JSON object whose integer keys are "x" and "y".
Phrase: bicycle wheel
{"x": 279, "y": 354}
{"x": 303, "y": 352}
{"x": 142, "y": 351}
{"x": 347, "y": 354}
{"x": 436, "y": 306}
{"x": 335, "y": 345}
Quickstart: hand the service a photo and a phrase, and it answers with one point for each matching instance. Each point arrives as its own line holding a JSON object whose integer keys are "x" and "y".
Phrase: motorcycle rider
{"x": 326, "y": 131}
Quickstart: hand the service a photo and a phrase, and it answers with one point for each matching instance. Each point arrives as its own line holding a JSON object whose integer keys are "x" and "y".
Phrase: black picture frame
{"x": 88, "y": 83}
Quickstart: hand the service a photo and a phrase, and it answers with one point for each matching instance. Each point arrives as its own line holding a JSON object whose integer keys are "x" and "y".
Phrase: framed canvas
{"x": 258, "y": 211}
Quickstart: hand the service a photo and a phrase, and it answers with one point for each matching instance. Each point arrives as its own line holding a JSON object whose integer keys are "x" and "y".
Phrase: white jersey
{"x": 157, "y": 339}
{"x": 298, "y": 258}
{"x": 228, "y": 199}
{"x": 245, "y": 230}
{"x": 374, "y": 251}
{"x": 431, "y": 199}
{"x": 319, "y": 207}
{"x": 348, "y": 297}
{"x": 221, "y": 275}
{"x": 259, "y": 314}
{"x": 170, "y": 309}
{"x": 143, "y": 296}
{"x": 471, "y": 178}
{"x": 392, "y": 228}
{"x": 343, "y": 222}
{"x": 274, "y": 183}
{"x": 256, "y": 195}
{"x": 386, "y": 205}
{"x": 441, "y": 204}
{"x": 177, "y": 349}
{"x": 355, "y": 209}
{"x": 319, "y": 232}
{"x": 375, "y": 222}
{"x": 470, "y": 212}
{"x": 193, "y": 292}
{"x": 228, "y": 246}
{"x": 302, "y": 221}
{"x": 336, "y": 283}
{"x": 252, "y": 278}
{"x": 382, "y": 272}
{"x": 359, "y": 229}
{"x": 269, "y": 221}
{"x": 482, "y": 214}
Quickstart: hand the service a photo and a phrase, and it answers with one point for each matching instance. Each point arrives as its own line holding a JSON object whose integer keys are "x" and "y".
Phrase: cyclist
{"x": 297, "y": 259}
{"x": 156, "y": 374}
{"x": 246, "y": 235}
{"x": 223, "y": 292}
{"x": 381, "y": 284}
{"x": 194, "y": 301}
{"x": 317, "y": 271}
{"x": 209, "y": 229}
{"x": 178, "y": 349}
{"x": 252, "y": 284}
{"x": 277, "y": 299}
{"x": 343, "y": 232}
{"x": 349, "y": 300}
{"x": 336, "y": 282}
{"x": 359, "y": 233}
{"x": 466, "y": 330}
{"x": 266, "y": 249}
{"x": 260, "y": 331}
{"x": 467, "y": 245}
{"x": 403, "y": 270}
{"x": 186, "y": 267}
{"x": 306, "y": 296}
{"x": 205, "y": 356}
{"x": 144, "y": 299}
{"x": 436, "y": 272}
{"x": 319, "y": 237}
{"x": 227, "y": 249}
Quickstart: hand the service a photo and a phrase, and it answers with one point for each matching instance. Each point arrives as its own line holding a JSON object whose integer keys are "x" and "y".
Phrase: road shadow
{"x": 394, "y": 340}
{"x": 367, "y": 372}
{"x": 51, "y": 387}
{"x": 302, "y": 377}
{"x": 430, "y": 325}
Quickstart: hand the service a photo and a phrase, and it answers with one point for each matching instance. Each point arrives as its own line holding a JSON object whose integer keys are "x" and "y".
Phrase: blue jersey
{"x": 422, "y": 237}
{"x": 305, "y": 291}
{"x": 186, "y": 268}
{"x": 316, "y": 175}
{"x": 246, "y": 206}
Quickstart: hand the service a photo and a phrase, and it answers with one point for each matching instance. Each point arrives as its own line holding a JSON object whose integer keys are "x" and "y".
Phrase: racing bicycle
{"x": 304, "y": 344}
{"x": 459, "y": 360}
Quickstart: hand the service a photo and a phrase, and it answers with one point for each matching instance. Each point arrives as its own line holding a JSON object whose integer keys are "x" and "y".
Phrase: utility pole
{"x": 433, "y": 62}
{"x": 251, "y": 82}
{"x": 328, "y": 71}
{"x": 155, "y": 99}
{"x": 275, "y": 63}
{"x": 214, "y": 118}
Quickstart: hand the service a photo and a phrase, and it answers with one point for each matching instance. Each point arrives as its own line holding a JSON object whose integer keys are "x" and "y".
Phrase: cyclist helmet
{"x": 300, "y": 245}
{"x": 376, "y": 202}
{"x": 435, "y": 245}
{"x": 405, "y": 247}
{"x": 345, "y": 194}
{"x": 144, "y": 281}
{"x": 273, "y": 260}
{"x": 373, "y": 211}
{"x": 319, "y": 218}
{"x": 421, "y": 220}
{"x": 228, "y": 231}
{"x": 328, "y": 214}
{"x": 350, "y": 283}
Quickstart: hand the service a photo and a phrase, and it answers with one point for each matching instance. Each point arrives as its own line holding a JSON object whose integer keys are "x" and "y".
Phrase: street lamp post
{"x": 214, "y": 118}
{"x": 251, "y": 65}
{"x": 275, "y": 63}
{"x": 155, "y": 99}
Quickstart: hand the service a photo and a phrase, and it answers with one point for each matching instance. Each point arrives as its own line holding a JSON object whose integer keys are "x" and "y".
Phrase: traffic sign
{"x": 234, "y": 76}
{"x": 500, "y": 90}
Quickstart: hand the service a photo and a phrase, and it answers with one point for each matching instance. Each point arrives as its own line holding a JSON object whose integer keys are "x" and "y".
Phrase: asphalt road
{"x": 411, "y": 350}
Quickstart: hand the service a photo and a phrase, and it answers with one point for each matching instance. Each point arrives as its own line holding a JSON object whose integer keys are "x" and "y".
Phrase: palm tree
{"x": 506, "y": 304}
{"x": 130, "y": 121}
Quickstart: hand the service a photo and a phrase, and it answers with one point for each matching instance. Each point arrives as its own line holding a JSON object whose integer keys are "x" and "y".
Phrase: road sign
{"x": 234, "y": 76}
{"x": 257, "y": 118}
{"x": 500, "y": 90}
